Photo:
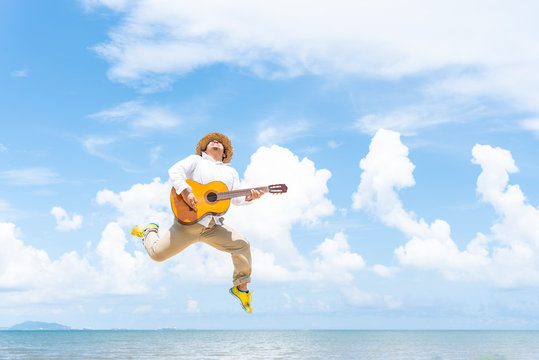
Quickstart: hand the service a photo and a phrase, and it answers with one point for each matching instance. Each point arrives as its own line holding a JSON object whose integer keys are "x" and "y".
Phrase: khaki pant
{"x": 221, "y": 237}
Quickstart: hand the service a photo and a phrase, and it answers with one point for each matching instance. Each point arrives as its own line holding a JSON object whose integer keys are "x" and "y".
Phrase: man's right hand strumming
{"x": 190, "y": 199}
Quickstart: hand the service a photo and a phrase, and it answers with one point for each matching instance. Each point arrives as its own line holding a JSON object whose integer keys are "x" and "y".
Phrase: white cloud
{"x": 139, "y": 119}
{"x": 3, "y": 148}
{"x": 139, "y": 116}
{"x": 117, "y": 5}
{"x": 202, "y": 264}
{"x": 133, "y": 272}
{"x": 384, "y": 271}
{"x": 99, "y": 146}
{"x": 270, "y": 218}
{"x": 487, "y": 51}
{"x": 109, "y": 268}
{"x": 385, "y": 167}
{"x": 531, "y": 124}
{"x": 92, "y": 144}
{"x": 30, "y": 176}
{"x": 278, "y": 134}
{"x": 28, "y": 274}
{"x": 336, "y": 261}
{"x": 63, "y": 222}
{"x": 142, "y": 203}
{"x": 266, "y": 267}
{"x": 340, "y": 36}
{"x": 509, "y": 256}
{"x": 406, "y": 120}
{"x": 267, "y": 223}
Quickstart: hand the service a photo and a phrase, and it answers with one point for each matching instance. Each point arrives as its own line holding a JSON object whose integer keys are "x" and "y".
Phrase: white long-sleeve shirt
{"x": 203, "y": 169}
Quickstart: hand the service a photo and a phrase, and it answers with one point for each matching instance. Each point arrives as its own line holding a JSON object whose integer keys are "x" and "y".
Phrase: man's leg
{"x": 177, "y": 238}
{"x": 226, "y": 239}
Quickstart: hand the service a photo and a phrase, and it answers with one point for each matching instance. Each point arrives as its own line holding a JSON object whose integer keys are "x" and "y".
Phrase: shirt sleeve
{"x": 182, "y": 171}
{"x": 240, "y": 200}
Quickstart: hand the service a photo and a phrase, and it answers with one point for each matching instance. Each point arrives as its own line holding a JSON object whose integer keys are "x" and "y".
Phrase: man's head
{"x": 214, "y": 143}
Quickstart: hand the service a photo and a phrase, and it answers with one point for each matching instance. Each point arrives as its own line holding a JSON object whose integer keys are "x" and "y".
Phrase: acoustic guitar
{"x": 213, "y": 198}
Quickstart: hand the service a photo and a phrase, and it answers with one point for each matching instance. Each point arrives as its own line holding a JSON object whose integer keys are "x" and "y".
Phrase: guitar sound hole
{"x": 212, "y": 197}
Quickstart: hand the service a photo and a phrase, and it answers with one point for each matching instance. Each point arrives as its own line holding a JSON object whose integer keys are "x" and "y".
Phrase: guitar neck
{"x": 224, "y": 195}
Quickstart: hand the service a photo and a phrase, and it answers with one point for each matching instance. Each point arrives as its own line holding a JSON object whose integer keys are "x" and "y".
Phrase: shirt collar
{"x": 208, "y": 157}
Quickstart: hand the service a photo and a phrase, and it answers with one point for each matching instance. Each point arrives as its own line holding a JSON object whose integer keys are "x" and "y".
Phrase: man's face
{"x": 214, "y": 145}
{"x": 215, "y": 149}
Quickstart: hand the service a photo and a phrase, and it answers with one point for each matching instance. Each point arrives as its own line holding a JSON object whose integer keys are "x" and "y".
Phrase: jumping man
{"x": 211, "y": 163}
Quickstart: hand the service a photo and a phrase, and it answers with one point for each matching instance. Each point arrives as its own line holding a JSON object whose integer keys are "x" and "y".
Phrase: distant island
{"x": 37, "y": 325}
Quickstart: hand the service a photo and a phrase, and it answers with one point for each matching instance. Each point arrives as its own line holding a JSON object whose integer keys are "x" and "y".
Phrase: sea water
{"x": 316, "y": 344}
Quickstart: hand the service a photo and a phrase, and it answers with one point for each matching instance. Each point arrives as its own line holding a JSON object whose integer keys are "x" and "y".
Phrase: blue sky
{"x": 407, "y": 134}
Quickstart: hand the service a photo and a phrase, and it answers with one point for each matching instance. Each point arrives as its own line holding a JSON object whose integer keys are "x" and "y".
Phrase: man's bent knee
{"x": 159, "y": 257}
{"x": 244, "y": 245}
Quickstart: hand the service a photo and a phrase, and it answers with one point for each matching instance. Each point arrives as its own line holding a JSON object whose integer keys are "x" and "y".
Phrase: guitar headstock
{"x": 277, "y": 189}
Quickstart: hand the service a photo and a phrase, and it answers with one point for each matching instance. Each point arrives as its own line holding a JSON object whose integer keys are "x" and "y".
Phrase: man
{"x": 211, "y": 163}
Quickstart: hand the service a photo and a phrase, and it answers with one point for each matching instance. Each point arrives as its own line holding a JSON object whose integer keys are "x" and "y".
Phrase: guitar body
{"x": 207, "y": 202}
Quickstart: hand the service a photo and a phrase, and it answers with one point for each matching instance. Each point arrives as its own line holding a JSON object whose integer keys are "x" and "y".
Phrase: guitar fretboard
{"x": 224, "y": 195}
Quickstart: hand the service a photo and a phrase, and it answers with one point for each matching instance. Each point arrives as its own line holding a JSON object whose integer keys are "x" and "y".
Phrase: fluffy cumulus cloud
{"x": 268, "y": 221}
{"x": 132, "y": 273}
{"x": 486, "y": 46}
{"x": 140, "y": 204}
{"x": 110, "y": 267}
{"x": 28, "y": 274}
{"x": 202, "y": 264}
{"x": 336, "y": 262}
{"x": 508, "y": 256}
{"x": 64, "y": 222}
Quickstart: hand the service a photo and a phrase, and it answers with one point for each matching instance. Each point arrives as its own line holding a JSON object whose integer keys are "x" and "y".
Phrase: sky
{"x": 407, "y": 134}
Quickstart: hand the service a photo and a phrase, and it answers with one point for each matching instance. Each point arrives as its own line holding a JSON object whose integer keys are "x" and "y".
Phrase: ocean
{"x": 293, "y": 344}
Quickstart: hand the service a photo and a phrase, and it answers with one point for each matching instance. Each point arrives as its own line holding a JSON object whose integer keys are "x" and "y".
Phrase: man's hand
{"x": 255, "y": 194}
{"x": 190, "y": 199}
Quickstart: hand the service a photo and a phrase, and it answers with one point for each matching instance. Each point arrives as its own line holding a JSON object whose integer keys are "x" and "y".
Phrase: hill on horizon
{"x": 37, "y": 325}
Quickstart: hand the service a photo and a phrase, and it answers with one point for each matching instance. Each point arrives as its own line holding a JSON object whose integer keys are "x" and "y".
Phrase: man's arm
{"x": 182, "y": 171}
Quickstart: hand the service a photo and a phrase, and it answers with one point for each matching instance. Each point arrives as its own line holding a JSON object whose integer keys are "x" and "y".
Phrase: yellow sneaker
{"x": 243, "y": 296}
{"x": 139, "y": 230}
